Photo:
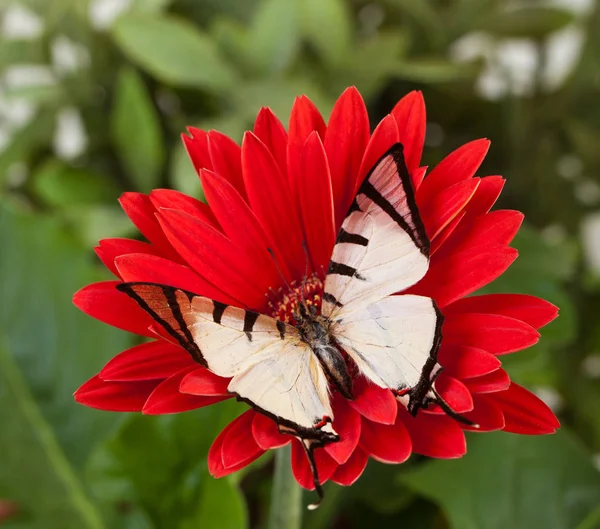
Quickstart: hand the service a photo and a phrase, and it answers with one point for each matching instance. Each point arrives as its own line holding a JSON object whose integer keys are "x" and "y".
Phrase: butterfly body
{"x": 315, "y": 330}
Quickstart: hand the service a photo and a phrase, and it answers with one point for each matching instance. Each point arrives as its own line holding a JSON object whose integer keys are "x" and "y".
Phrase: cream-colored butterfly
{"x": 285, "y": 371}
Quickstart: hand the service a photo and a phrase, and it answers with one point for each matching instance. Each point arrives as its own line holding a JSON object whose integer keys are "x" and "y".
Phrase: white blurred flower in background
{"x": 18, "y": 22}
{"x": 103, "y": 13}
{"x": 70, "y": 139}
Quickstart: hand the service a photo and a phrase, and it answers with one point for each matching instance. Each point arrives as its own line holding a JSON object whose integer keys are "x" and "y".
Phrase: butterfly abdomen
{"x": 314, "y": 330}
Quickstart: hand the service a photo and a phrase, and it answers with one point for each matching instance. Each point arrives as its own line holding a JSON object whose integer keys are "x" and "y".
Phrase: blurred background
{"x": 93, "y": 97}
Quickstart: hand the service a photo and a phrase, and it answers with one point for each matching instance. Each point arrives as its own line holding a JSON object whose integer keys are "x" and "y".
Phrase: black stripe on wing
{"x": 343, "y": 270}
{"x": 417, "y": 230}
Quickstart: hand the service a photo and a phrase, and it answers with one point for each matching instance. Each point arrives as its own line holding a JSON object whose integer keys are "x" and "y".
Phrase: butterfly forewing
{"x": 382, "y": 247}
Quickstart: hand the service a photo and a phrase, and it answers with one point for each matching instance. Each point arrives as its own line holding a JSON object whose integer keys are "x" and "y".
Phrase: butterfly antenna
{"x": 309, "y": 449}
{"x": 279, "y": 269}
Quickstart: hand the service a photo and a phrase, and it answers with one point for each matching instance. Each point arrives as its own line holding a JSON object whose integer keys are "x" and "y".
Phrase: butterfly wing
{"x": 393, "y": 341}
{"x": 270, "y": 367}
{"x": 382, "y": 249}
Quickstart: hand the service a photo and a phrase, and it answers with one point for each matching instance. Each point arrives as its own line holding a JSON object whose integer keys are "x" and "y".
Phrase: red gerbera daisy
{"x": 289, "y": 191}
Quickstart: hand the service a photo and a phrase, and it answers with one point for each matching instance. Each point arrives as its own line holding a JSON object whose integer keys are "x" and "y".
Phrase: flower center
{"x": 283, "y": 303}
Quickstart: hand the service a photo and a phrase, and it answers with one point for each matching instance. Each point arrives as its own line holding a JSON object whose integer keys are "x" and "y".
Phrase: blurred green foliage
{"x": 93, "y": 105}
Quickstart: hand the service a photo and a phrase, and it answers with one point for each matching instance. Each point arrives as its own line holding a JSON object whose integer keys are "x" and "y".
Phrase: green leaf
{"x": 327, "y": 25}
{"x": 372, "y": 63}
{"x": 57, "y": 347}
{"x": 150, "y": 6}
{"x": 99, "y": 222}
{"x": 435, "y": 70}
{"x": 35, "y": 474}
{"x": 513, "y": 481}
{"x": 136, "y": 134}
{"x": 536, "y": 22}
{"x": 219, "y": 504}
{"x": 160, "y": 464}
{"x": 25, "y": 141}
{"x": 274, "y": 37}
{"x": 62, "y": 186}
{"x": 174, "y": 51}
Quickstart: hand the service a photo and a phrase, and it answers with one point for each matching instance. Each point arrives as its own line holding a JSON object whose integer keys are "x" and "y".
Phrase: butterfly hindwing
{"x": 393, "y": 341}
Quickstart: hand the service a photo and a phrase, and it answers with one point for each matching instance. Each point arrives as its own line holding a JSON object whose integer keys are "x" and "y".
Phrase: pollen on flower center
{"x": 283, "y": 302}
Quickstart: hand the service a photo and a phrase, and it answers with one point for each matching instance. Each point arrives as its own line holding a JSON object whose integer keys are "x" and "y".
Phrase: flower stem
{"x": 285, "y": 512}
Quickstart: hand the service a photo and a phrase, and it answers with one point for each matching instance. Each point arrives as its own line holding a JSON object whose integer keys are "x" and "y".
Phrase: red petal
{"x": 238, "y": 443}
{"x": 524, "y": 413}
{"x": 266, "y": 433}
{"x": 215, "y": 457}
{"x": 148, "y": 361}
{"x": 105, "y": 303}
{"x": 495, "y": 381}
{"x": 271, "y": 200}
{"x": 214, "y": 256}
{"x": 434, "y": 435}
{"x": 444, "y": 234}
{"x": 152, "y": 269}
{"x": 197, "y": 148}
{"x": 169, "y": 198}
{"x": 115, "y": 396}
{"x": 374, "y": 403}
{"x": 486, "y": 413}
{"x": 316, "y": 203}
{"x": 352, "y": 469}
{"x": 109, "y": 249}
{"x": 203, "y": 382}
{"x": 439, "y": 210}
{"x": 495, "y": 228}
{"x": 226, "y": 157}
{"x": 410, "y": 115}
{"x": 492, "y": 332}
{"x": 345, "y": 141}
{"x": 386, "y": 443}
{"x": 141, "y": 211}
{"x": 462, "y": 361}
{"x": 487, "y": 193}
{"x": 384, "y": 136}
{"x": 166, "y": 398}
{"x": 457, "y": 166}
{"x": 533, "y": 311}
{"x": 464, "y": 272}
{"x": 326, "y": 466}
{"x": 271, "y": 132}
{"x": 454, "y": 392}
{"x": 347, "y": 424}
{"x": 241, "y": 226}
{"x": 304, "y": 119}
{"x": 417, "y": 176}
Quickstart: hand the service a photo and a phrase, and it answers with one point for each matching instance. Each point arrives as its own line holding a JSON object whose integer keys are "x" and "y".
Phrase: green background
{"x": 91, "y": 107}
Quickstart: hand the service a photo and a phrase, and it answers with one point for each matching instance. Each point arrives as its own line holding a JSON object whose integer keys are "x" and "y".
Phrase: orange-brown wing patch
{"x": 166, "y": 305}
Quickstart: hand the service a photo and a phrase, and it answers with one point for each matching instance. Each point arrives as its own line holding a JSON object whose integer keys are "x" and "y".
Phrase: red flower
{"x": 282, "y": 188}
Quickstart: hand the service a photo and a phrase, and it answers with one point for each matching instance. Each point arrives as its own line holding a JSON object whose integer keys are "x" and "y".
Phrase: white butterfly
{"x": 284, "y": 371}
